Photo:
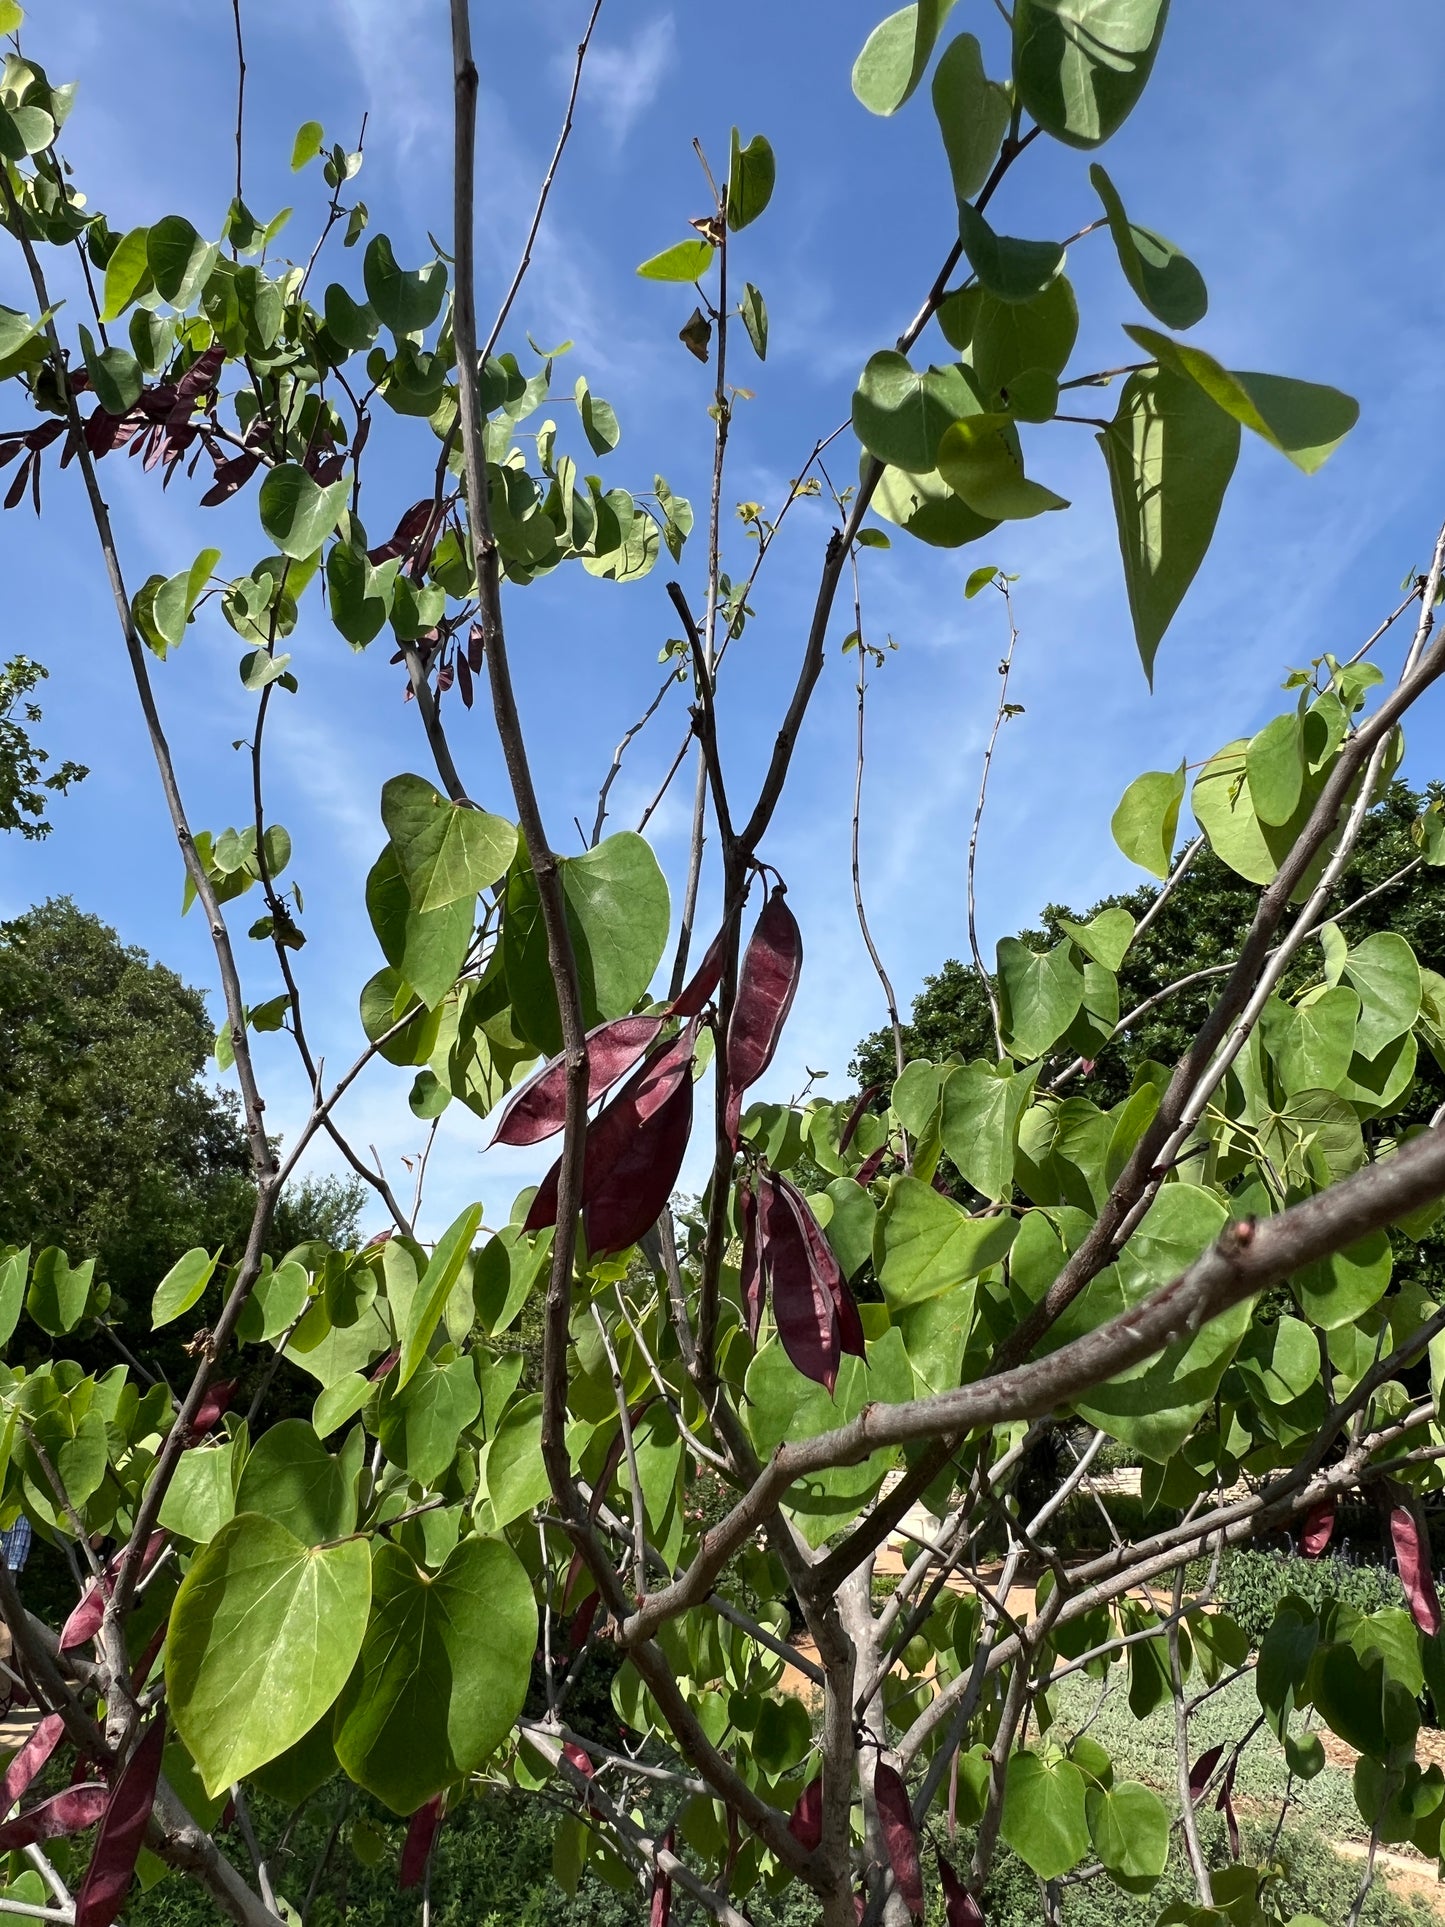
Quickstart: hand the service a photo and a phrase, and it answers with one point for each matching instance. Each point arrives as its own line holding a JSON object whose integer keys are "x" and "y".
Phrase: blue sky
{"x": 1293, "y": 153}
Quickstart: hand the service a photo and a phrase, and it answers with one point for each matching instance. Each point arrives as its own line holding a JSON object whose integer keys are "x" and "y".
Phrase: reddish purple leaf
{"x": 575, "y": 1757}
{"x": 959, "y": 1906}
{"x": 73, "y": 1811}
{"x": 383, "y": 1365}
{"x": 767, "y": 984}
{"x": 421, "y": 1836}
{"x": 538, "y": 1108}
{"x": 751, "y": 1281}
{"x": 827, "y": 1272}
{"x": 1203, "y": 1768}
{"x": 860, "y": 1906}
{"x": 1318, "y": 1530}
{"x": 870, "y": 1167}
{"x": 699, "y": 988}
{"x": 122, "y": 1831}
{"x": 1412, "y": 1555}
{"x": 855, "y": 1116}
{"x": 29, "y": 1760}
{"x": 803, "y": 1310}
{"x": 84, "y": 1622}
{"x": 806, "y": 1822}
{"x": 661, "y": 1911}
{"x": 896, "y": 1817}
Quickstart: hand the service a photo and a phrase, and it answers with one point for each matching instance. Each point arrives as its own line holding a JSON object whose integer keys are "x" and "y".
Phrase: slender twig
{"x": 705, "y": 656}
{"x": 1000, "y": 714}
{"x": 624, "y": 1419}
{"x": 889, "y": 996}
{"x": 240, "y": 101}
{"x": 615, "y": 767}
{"x": 1199, "y": 1866}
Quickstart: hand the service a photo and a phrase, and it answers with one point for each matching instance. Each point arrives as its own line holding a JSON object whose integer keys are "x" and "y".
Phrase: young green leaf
{"x": 263, "y": 1635}
{"x": 446, "y": 853}
{"x": 973, "y": 114}
{"x": 752, "y": 171}
{"x": 1170, "y": 454}
{"x": 1147, "y": 819}
{"x": 1081, "y": 65}
{"x": 296, "y": 512}
{"x": 754, "y": 312}
{"x": 307, "y": 144}
{"x": 686, "y": 261}
{"x": 1044, "y": 1819}
{"x": 178, "y": 259}
{"x": 1166, "y": 281}
{"x": 1011, "y": 269}
{"x": 405, "y": 300}
{"x": 182, "y": 1285}
{"x": 896, "y": 53}
{"x": 443, "y": 1671}
{"x": 421, "y": 1316}
{"x": 900, "y": 417}
{"x": 114, "y": 375}
{"x": 127, "y": 274}
{"x": 1302, "y": 419}
{"x": 982, "y": 462}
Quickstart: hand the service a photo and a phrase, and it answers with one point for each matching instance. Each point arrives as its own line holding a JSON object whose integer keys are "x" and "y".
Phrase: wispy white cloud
{"x": 622, "y": 81}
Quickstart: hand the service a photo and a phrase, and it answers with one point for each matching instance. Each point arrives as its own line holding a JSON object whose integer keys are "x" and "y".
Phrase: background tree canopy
{"x": 112, "y": 1142}
{"x": 1200, "y": 928}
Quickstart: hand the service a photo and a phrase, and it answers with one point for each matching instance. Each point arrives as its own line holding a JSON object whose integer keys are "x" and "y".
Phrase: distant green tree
{"x": 1202, "y": 925}
{"x": 22, "y": 761}
{"x": 112, "y": 1144}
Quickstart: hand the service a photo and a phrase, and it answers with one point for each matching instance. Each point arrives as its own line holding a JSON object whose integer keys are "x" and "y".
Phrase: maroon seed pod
{"x": 29, "y": 1760}
{"x": 896, "y": 1817}
{"x": 959, "y": 1906}
{"x": 806, "y": 1820}
{"x": 827, "y": 1272}
{"x": 122, "y": 1831}
{"x": 661, "y": 1911}
{"x": 767, "y": 984}
{"x": 420, "y": 1838}
{"x": 84, "y": 1622}
{"x": 803, "y": 1310}
{"x": 699, "y": 988}
{"x": 611, "y": 1135}
{"x": 216, "y": 1401}
{"x": 631, "y": 1197}
{"x": 1225, "y": 1805}
{"x": 538, "y": 1108}
{"x": 870, "y": 1167}
{"x": 582, "y": 1622}
{"x": 1318, "y": 1530}
{"x": 73, "y": 1811}
{"x": 1203, "y": 1767}
{"x": 1412, "y": 1555}
{"x": 751, "y": 1279}
{"x": 855, "y": 1116}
